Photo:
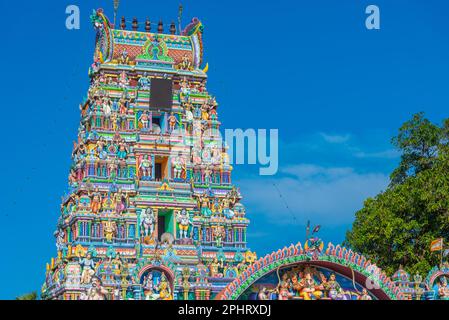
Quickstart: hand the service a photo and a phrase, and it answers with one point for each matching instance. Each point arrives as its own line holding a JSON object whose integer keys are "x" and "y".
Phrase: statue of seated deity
{"x": 311, "y": 289}
{"x": 333, "y": 288}
{"x": 164, "y": 290}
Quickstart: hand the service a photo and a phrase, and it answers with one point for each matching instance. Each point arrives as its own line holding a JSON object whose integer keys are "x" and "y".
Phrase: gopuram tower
{"x": 151, "y": 212}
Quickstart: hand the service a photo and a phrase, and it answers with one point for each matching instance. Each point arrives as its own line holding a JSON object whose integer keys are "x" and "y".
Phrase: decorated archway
{"x": 157, "y": 282}
{"x": 366, "y": 279}
{"x": 436, "y": 283}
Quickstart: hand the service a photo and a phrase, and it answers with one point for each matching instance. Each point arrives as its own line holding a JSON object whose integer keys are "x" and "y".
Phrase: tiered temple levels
{"x": 151, "y": 211}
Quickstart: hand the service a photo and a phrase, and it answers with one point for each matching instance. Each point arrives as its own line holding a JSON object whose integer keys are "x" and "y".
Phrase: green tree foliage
{"x": 397, "y": 226}
{"x": 28, "y": 296}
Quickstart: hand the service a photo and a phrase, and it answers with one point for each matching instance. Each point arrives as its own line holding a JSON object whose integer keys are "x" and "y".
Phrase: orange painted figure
{"x": 310, "y": 288}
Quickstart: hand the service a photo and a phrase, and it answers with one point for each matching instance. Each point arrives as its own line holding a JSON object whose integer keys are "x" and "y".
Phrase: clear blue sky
{"x": 336, "y": 91}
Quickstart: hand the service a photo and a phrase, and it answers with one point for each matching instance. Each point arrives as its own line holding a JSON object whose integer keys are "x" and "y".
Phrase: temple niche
{"x": 157, "y": 285}
{"x": 305, "y": 282}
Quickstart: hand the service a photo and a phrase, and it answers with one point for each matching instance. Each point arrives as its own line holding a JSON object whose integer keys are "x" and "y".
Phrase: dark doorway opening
{"x": 158, "y": 171}
{"x": 160, "y": 226}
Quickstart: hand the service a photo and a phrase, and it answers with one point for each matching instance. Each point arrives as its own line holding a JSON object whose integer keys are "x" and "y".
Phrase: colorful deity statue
{"x": 218, "y": 235}
{"x": 164, "y": 289}
{"x": 185, "y": 63}
{"x": 147, "y": 221}
{"x": 123, "y": 107}
{"x": 184, "y": 90}
{"x": 96, "y": 291}
{"x": 145, "y": 120}
{"x": 107, "y": 110}
{"x": 284, "y": 288}
{"x": 100, "y": 149}
{"x": 188, "y": 112}
{"x": 145, "y": 166}
{"x": 122, "y": 150}
{"x": 149, "y": 288}
{"x": 443, "y": 290}
{"x": 95, "y": 204}
{"x": 203, "y": 203}
{"x": 124, "y": 57}
{"x": 114, "y": 121}
{"x": 110, "y": 230}
{"x": 214, "y": 268}
{"x": 88, "y": 268}
{"x": 184, "y": 222}
{"x": 117, "y": 264}
{"x": 112, "y": 169}
{"x": 120, "y": 200}
{"x": 311, "y": 290}
{"x": 144, "y": 82}
{"x": 332, "y": 287}
{"x": 172, "y": 121}
{"x": 226, "y": 205}
{"x": 205, "y": 112}
{"x": 178, "y": 167}
{"x": 60, "y": 239}
{"x": 123, "y": 80}
{"x": 365, "y": 295}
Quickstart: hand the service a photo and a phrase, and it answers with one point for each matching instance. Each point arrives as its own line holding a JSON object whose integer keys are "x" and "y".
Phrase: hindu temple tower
{"x": 151, "y": 211}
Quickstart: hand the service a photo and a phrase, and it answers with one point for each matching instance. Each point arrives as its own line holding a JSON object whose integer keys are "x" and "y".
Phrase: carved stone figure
{"x": 144, "y": 82}
{"x": 164, "y": 289}
{"x": 284, "y": 288}
{"x": 311, "y": 290}
{"x": 178, "y": 167}
{"x": 333, "y": 288}
{"x": 167, "y": 239}
{"x": 145, "y": 120}
{"x": 203, "y": 203}
{"x": 146, "y": 166}
{"x": 88, "y": 268}
{"x": 218, "y": 234}
{"x": 120, "y": 200}
{"x": 147, "y": 221}
{"x": 110, "y": 230}
{"x": 97, "y": 291}
{"x": 172, "y": 121}
{"x": 364, "y": 295}
{"x": 123, "y": 80}
{"x": 214, "y": 268}
{"x": 124, "y": 57}
{"x": 122, "y": 150}
{"x": 60, "y": 239}
{"x": 95, "y": 204}
{"x": 184, "y": 221}
{"x": 148, "y": 287}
